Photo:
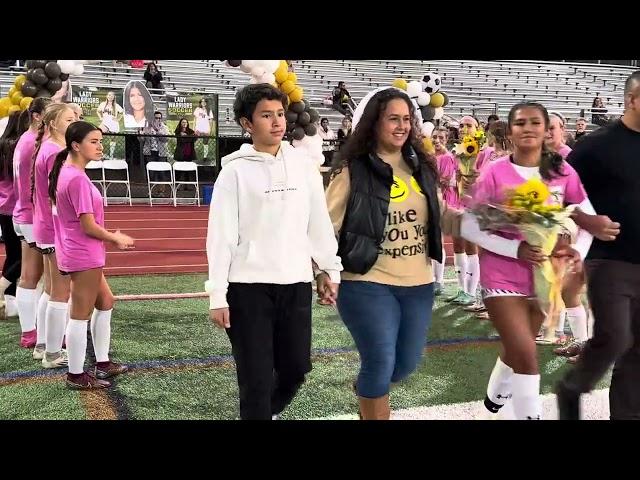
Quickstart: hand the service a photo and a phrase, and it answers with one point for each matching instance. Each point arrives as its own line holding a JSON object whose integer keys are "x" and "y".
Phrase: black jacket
{"x": 365, "y": 219}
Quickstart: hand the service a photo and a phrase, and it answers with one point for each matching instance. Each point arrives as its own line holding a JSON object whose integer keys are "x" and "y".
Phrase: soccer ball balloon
{"x": 431, "y": 82}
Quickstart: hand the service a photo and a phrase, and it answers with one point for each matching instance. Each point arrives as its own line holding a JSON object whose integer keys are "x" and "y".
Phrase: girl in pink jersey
{"x": 16, "y": 126}
{"x": 507, "y": 260}
{"x": 574, "y": 312}
{"x": 78, "y": 217}
{"x": 447, "y": 168}
{"x": 466, "y": 262}
{"x": 32, "y": 262}
{"x": 52, "y": 306}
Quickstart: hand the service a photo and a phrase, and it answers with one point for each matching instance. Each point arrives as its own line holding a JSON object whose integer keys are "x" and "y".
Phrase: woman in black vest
{"x": 384, "y": 205}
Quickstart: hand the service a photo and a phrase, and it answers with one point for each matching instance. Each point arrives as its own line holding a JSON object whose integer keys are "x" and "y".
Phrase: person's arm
{"x": 91, "y": 228}
{"x": 99, "y": 110}
{"x": 222, "y": 238}
{"x": 337, "y": 197}
{"x": 470, "y": 230}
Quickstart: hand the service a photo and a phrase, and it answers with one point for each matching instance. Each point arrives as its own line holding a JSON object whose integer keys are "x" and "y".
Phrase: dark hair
{"x": 148, "y": 100}
{"x": 550, "y": 162}
{"x": 8, "y": 143}
{"x": 595, "y": 100}
{"x": 493, "y": 117}
{"x": 76, "y": 132}
{"x": 188, "y": 129}
{"x": 632, "y": 79}
{"x": 248, "y": 97}
{"x": 158, "y": 112}
{"x": 363, "y": 139}
{"x": 498, "y": 131}
{"x": 149, "y": 66}
{"x": 323, "y": 119}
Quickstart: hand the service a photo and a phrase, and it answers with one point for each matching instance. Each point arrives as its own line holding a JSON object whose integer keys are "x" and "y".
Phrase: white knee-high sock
{"x": 499, "y": 387}
{"x": 527, "y": 404}
{"x": 76, "y": 345}
{"x": 438, "y": 271}
{"x": 577, "y": 317}
{"x": 56, "y": 325}
{"x": 41, "y": 318}
{"x": 473, "y": 274}
{"x": 562, "y": 318}
{"x": 460, "y": 264}
{"x": 27, "y": 307}
{"x": 101, "y": 333}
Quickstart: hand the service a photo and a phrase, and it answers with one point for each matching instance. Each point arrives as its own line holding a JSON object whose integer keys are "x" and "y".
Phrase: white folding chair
{"x": 111, "y": 170}
{"x": 95, "y": 172}
{"x": 157, "y": 167}
{"x": 188, "y": 167}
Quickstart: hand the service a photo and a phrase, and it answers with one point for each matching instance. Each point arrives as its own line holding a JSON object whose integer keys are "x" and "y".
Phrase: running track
{"x": 168, "y": 239}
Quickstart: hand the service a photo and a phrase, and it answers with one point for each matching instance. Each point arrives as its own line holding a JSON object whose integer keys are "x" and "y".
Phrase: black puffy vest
{"x": 368, "y": 205}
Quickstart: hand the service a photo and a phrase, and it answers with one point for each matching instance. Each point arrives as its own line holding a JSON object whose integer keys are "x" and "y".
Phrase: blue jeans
{"x": 389, "y": 325}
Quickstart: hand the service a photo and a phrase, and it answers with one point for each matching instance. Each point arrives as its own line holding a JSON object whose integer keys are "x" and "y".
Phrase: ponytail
{"x": 550, "y": 164}
{"x": 36, "y": 150}
{"x": 55, "y": 173}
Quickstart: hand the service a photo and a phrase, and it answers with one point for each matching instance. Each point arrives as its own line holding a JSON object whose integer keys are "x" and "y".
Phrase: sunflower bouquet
{"x": 467, "y": 153}
{"x": 529, "y": 210}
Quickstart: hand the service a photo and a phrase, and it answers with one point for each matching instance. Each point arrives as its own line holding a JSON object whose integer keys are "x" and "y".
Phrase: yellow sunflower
{"x": 471, "y": 148}
{"x": 479, "y": 134}
{"x": 534, "y": 190}
{"x": 467, "y": 139}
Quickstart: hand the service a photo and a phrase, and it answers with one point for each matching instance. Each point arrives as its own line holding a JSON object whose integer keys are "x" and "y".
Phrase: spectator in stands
{"x": 153, "y": 77}
{"x": 110, "y": 113}
{"x": 598, "y": 111}
{"x": 342, "y": 100}
{"x": 185, "y": 149}
{"x": 138, "y": 105}
{"x": 327, "y": 134}
{"x": 581, "y": 127}
{"x": 203, "y": 116}
{"x": 154, "y": 147}
{"x": 569, "y": 139}
{"x": 344, "y": 131}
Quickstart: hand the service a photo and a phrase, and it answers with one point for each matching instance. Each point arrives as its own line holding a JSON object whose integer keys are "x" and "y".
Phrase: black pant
{"x": 614, "y": 295}
{"x": 270, "y": 336}
{"x": 13, "y": 249}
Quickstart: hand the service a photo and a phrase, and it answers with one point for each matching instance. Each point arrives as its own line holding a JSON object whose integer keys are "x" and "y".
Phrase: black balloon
{"x": 310, "y": 130}
{"x": 234, "y": 63}
{"x": 291, "y": 116}
{"x": 39, "y": 77}
{"x": 303, "y": 119}
{"x": 30, "y": 64}
{"x": 29, "y": 73}
{"x": 29, "y": 89}
{"x": 54, "y": 85}
{"x": 297, "y": 107}
{"x": 43, "y": 92}
{"x": 427, "y": 112}
{"x": 52, "y": 70}
{"x": 64, "y": 76}
{"x": 315, "y": 116}
{"x": 307, "y": 105}
{"x": 298, "y": 133}
{"x": 39, "y": 64}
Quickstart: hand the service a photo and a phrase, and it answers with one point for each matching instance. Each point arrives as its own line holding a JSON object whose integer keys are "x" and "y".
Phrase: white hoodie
{"x": 268, "y": 218}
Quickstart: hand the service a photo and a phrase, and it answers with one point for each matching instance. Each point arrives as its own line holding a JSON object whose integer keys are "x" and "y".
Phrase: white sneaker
{"x": 60, "y": 362}
{"x": 38, "y": 353}
{"x": 275, "y": 417}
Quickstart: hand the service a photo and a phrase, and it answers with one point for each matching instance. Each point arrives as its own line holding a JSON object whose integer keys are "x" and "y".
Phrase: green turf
{"x": 180, "y": 329}
{"x": 40, "y": 401}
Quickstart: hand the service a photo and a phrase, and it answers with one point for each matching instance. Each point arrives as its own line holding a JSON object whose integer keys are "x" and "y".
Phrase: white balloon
{"x": 78, "y": 69}
{"x": 423, "y": 99}
{"x": 253, "y": 80}
{"x": 245, "y": 68}
{"x": 271, "y": 65}
{"x": 249, "y": 64}
{"x": 257, "y": 72}
{"x": 66, "y": 66}
{"x": 268, "y": 78}
{"x": 439, "y": 112}
{"x": 226, "y": 63}
{"x": 427, "y": 129}
{"x": 414, "y": 88}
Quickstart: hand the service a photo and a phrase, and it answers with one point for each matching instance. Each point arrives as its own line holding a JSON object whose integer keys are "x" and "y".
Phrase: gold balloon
{"x": 400, "y": 83}
{"x": 13, "y": 108}
{"x": 287, "y": 87}
{"x": 292, "y": 77}
{"x": 437, "y": 100}
{"x": 20, "y": 79}
{"x": 16, "y": 97}
{"x": 25, "y": 102}
{"x": 296, "y": 95}
{"x": 281, "y": 74}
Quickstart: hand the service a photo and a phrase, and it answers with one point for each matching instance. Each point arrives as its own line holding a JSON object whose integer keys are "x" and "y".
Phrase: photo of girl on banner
{"x": 110, "y": 113}
{"x": 203, "y": 117}
{"x": 138, "y": 105}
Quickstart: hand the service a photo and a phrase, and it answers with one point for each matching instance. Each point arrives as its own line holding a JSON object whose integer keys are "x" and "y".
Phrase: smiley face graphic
{"x": 416, "y": 187}
{"x": 399, "y": 190}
